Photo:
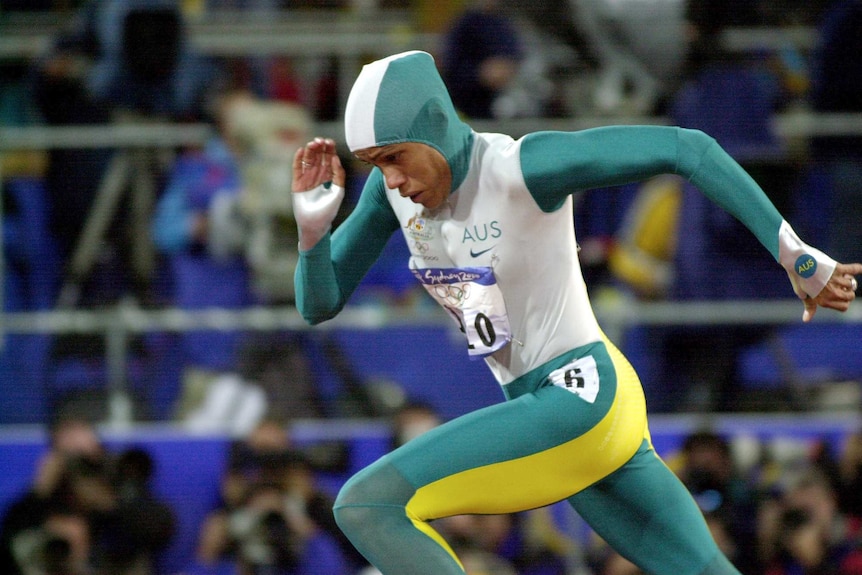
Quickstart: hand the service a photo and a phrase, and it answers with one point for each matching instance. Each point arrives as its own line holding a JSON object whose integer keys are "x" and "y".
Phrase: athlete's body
{"x": 488, "y": 221}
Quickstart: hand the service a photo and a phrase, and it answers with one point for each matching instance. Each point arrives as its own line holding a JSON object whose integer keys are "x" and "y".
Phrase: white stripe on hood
{"x": 362, "y": 103}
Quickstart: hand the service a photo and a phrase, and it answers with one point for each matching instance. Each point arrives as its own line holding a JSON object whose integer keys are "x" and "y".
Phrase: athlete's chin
{"x": 428, "y": 200}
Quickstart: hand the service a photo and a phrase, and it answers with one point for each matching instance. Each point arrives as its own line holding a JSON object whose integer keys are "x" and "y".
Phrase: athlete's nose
{"x": 394, "y": 177}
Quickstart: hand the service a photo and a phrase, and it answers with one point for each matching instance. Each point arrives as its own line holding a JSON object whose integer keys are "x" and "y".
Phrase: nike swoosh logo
{"x": 477, "y": 254}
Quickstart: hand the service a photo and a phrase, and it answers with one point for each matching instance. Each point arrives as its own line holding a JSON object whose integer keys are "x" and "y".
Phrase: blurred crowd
{"x": 780, "y": 506}
{"x": 87, "y": 511}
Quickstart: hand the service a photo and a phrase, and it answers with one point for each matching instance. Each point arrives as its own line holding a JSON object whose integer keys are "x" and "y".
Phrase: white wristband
{"x": 315, "y": 211}
{"x": 809, "y": 269}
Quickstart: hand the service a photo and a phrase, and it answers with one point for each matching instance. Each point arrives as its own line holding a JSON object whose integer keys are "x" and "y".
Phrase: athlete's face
{"x": 417, "y": 171}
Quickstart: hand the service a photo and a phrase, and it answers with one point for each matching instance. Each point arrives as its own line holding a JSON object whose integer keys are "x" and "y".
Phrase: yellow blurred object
{"x": 193, "y": 9}
{"x": 24, "y": 163}
{"x": 435, "y": 15}
{"x": 642, "y": 256}
{"x": 543, "y": 533}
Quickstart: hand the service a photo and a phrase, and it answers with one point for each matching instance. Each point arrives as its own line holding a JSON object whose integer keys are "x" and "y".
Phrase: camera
{"x": 264, "y": 540}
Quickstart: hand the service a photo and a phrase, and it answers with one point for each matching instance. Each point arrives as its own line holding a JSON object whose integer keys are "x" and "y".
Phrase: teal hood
{"x": 402, "y": 98}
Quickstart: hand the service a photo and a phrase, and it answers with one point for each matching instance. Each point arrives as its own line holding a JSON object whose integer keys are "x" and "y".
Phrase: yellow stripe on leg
{"x": 544, "y": 477}
{"x": 432, "y": 533}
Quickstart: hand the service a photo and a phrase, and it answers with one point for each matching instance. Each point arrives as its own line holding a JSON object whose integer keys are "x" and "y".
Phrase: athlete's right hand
{"x": 838, "y": 293}
{"x": 318, "y": 189}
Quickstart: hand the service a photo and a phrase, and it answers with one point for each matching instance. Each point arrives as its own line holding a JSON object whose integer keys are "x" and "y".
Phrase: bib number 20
{"x": 480, "y": 331}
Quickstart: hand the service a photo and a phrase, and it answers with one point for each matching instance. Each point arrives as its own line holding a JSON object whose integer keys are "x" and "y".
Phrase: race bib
{"x": 580, "y": 377}
{"x": 473, "y": 298}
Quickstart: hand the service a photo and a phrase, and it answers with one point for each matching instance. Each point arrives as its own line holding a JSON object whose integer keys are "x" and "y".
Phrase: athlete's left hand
{"x": 317, "y": 163}
{"x": 837, "y": 293}
{"x": 315, "y": 205}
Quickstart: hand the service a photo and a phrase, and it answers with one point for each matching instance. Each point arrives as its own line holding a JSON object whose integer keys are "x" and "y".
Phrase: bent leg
{"x": 370, "y": 510}
{"x": 648, "y": 516}
{"x": 506, "y": 458}
{"x": 535, "y": 449}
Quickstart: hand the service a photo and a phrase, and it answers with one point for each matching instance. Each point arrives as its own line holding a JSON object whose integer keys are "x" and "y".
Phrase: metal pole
{"x": 99, "y": 219}
{"x": 116, "y": 349}
{"x": 2, "y": 267}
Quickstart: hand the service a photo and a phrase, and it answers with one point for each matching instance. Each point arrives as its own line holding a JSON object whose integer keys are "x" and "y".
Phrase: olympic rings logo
{"x": 453, "y": 294}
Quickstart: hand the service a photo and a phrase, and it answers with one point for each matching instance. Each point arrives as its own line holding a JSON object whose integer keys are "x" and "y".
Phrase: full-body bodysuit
{"x": 501, "y": 257}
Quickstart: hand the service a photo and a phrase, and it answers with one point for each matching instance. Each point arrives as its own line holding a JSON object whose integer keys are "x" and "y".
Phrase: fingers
{"x": 316, "y": 163}
{"x": 843, "y": 283}
{"x": 339, "y": 176}
{"x": 844, "y": 275}
{"x": 854, "y": 269}
{"x": 297, "y": 161}
{"x": 318, "y": 154}
{"x": 835, "y": 295}
{"x": 838, "y": 293}
{"x": 810, "y": 309}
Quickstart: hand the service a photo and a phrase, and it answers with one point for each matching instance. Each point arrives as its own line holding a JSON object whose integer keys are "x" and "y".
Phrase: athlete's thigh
{"x": 531, "y": 451}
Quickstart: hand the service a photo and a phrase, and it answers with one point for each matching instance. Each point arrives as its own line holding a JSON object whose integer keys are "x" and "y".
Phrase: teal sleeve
{"x": 556, "y": 164}
{"x": 328, "y": 273}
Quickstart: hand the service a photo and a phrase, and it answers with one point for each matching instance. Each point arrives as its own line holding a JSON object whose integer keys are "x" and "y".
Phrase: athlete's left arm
{"x": 556, "y": 164}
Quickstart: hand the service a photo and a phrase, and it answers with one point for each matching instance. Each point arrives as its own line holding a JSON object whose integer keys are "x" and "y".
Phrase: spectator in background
{"x": 195, "y": 228}
{"x": 274, "y": 518}
{"x": 803, "y": 529}
{"x": 481, "y": 56}
{"x": 60, "y": 545}
{"x": 86, "y": 511}
{"x": 412, "y": 420}
{"x": 837, "y": 88}
{"x": 808, "y": 534}
{"x": 802, "y": 547}
{"x": 117, "y": 62}
{"x": 525, "y": 543}
{"x": 142, "y": 61}
{"x": 849, "y": 468}
{"x": 229, "y": 239}
{"x": 709, "y": 472}
{"x": 143, "y": 525}
{"x": 117, "y": 58}
{"x": 69, "y": 438}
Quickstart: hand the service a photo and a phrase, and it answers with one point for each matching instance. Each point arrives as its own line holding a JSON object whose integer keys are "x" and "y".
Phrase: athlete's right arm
{"x": 329, "y": 272}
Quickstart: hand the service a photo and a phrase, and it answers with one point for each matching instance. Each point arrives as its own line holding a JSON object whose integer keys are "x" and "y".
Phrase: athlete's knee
{"x": 351, "y": 506}
{"x": 351, "y": 518}
{"x": 366, "y": 486}
{"x": 379, "y": 488}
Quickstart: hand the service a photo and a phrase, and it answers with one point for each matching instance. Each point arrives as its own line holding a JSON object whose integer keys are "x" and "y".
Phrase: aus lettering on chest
{"x": 480, "y": 232}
